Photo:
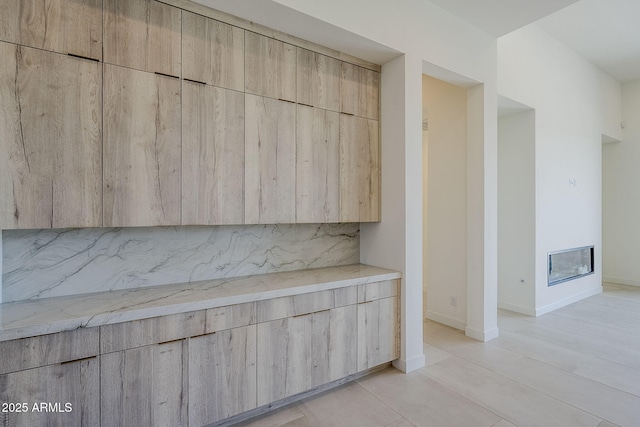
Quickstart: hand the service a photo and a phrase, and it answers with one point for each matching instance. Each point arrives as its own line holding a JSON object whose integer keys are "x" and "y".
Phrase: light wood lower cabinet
{"x": 222, "y": 375}
{"x": 378, "y": 332}
{"x": 212, "y": 365}
{"x": 144, "y": 386}
{"x": 64, "y": 394}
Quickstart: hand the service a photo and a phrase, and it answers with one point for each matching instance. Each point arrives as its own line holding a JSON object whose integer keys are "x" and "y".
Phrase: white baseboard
{"x": 620, "y": 281}
{"x": 517, "y": 308}
{"x": 445, "y": 320}
{"x": 410, "y": 365}
{"x": 483, "y": 336}
{"x": 575, "y": 298}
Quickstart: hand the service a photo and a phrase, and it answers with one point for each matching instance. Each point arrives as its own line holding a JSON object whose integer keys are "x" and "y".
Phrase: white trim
{"x": 621, "y": 281}
{"x": 517, "y": 308}
{"x": 559, "y": 304}
{"x": 410, "y": 365}
{"x": 483, "y": 336}
{"x": 445, "y": 320}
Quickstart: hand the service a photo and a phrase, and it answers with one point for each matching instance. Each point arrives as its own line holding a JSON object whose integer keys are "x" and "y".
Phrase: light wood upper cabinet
{"x": 64, "y": 26}
{"x": 318, "y": 80}
{"x": 141, "y": 148}
{"x": 50, "y": 140}
{"x": 359, "y": 169}
{"x": 360, "y": 91}
{"x": 222, "y": 375}
{"x": 212, "y": 52}
{"x": 317, "y": 165}
{"x": 212, "y": 155}
{"x": 270, "y": 161}
{"x": 270, "y": 67}
{"x": 143, "y": 34}
{"x": 144, "y": 386}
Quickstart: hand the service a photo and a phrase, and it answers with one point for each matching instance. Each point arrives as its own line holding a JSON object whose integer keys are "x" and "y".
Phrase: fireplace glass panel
{"x": 570, "y": 264}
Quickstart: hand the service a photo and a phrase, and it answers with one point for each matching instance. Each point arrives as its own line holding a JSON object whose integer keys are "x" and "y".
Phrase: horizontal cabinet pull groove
{"x": 78, "y": 360}
{"x": 306, "y": 105}
{"x": 194, "y": 81}
{"x": 286, "y": 100}
{"x": 83, "y": 57}
{"x": 171, "y": 341}
{"x": 166, "y": 75}
{"x": 201, "y": 335}
{"x": 347, "y": 114}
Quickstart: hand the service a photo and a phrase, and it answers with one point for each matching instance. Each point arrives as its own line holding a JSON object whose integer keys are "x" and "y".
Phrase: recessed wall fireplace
{"x": 570, "y": 264}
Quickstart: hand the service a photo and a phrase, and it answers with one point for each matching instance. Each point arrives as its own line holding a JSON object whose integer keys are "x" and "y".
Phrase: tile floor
{"x": 577, "y": 366}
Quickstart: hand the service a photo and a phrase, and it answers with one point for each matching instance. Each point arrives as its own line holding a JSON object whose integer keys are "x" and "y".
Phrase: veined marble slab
{"x": 23, "y": 319}
{"x": 52, "y": 263}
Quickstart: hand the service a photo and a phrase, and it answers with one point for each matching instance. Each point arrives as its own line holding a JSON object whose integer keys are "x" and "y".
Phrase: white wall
{"x": 516, "y": 212}
{"x": 621, "y": 204}
{"x": 445, "y": 220}
{"x": 570, "y": 97}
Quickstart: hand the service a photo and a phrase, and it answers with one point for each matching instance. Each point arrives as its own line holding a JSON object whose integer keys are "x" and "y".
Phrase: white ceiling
{"x": 606, "y": 32}
{"x": 500, "y": 17}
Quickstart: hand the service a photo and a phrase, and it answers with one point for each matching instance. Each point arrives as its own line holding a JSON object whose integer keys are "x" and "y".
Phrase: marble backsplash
{"x": 49, "y": 263}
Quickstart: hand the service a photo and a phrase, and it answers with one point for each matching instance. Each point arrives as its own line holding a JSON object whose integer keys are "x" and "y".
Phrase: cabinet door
{"x": 144, "y": 386}
{"x": 318, "y": 80}
{"x": 69, "y": 392}
{"x": 64, "y": 26}
{"x": 360, "y": 91}
{"x": 222, "y": 375}
{"x": 50, "y": 140}
{"x": 317, "y": 166}
{"x": 359, "y": 169}
{"x": 270, "y": 161}
{"x": 270, "y": 67}
{"x": 378, "y": 332}
{"x": 212, "y": 155}
{"x": 212, "y": 52}
{"x": 141, "y": 148}
{"x": 302, "y": 352}
{"x": 143, "y": 34}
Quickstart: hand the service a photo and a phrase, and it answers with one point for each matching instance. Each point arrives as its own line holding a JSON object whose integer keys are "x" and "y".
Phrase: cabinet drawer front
{"x": 232, "y": 316}
{"x": 378, "y": 290}
{"x": 138, "y": 333}
{"x": 27, "y": 353}
{"x": 297, "y": 305}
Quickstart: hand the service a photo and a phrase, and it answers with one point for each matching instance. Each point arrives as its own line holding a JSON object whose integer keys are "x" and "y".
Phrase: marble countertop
{"x": 49, "y": 315}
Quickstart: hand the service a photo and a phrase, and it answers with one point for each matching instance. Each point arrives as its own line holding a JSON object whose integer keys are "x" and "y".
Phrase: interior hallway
{"x": 577, "y": 366}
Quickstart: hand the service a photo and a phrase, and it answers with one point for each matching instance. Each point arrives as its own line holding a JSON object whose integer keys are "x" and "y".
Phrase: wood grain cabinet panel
{"x": 318, "y": 83}
{"x": 270, "y": 67}
{"x": 64, "y": 26}
{"x": 143, "y": 34}
{"x": 317, "y": 165}
{"x": 212, "y": 52}
{"x": 270, "y": 161}
{"x": 359, "y": 169}
{"x": 360, "y": 91}
{"x": 299, "y": 353}
{"x": 222, "y": 375}
{"x": 50, "y": 140}
{"x": 144, "y": 386}
{"x": 76, "y": 383}
{"x": 212, "y": 155}
{"x": 141, "y": 148}
{"x": 378, "y": 332}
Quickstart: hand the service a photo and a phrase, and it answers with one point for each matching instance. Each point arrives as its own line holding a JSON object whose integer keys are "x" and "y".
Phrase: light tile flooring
{"x": 577, "y": 366}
